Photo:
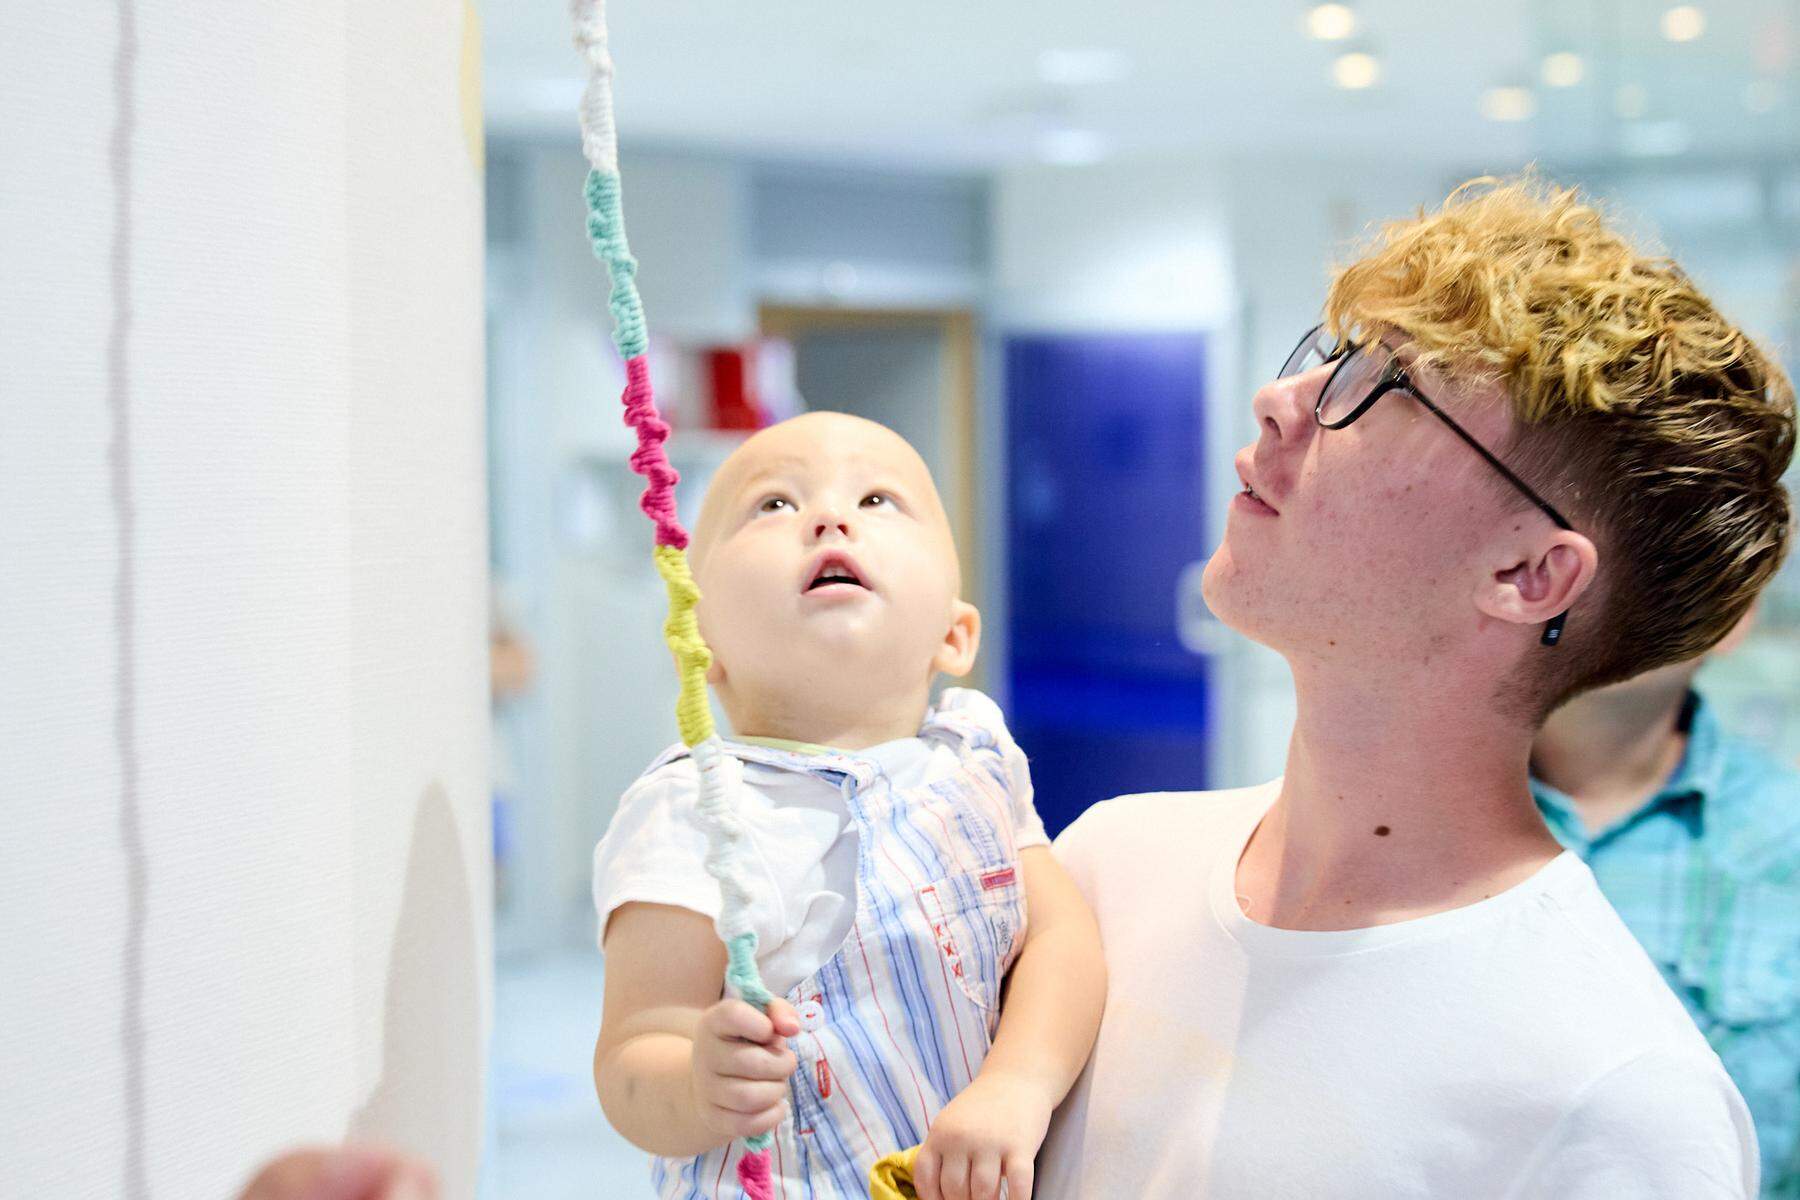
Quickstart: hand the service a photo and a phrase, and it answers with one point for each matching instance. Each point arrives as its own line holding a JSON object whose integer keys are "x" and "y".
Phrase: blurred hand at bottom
{"x": 344, "y": 1173}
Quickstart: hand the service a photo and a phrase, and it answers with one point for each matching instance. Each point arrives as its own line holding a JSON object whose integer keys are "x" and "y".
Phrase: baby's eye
{"x": 775, "y": 504}
{"x": 877, "y": 500}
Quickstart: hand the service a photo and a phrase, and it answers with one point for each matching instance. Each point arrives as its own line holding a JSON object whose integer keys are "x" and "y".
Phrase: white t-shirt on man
{"x": 1522, "y": 1046}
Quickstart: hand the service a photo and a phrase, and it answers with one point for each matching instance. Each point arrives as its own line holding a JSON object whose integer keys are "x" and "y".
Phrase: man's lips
{"x": 1245, "y": 464}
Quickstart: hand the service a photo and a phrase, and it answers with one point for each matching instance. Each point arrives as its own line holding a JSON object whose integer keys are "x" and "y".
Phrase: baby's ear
{"x": 956, "y": 657}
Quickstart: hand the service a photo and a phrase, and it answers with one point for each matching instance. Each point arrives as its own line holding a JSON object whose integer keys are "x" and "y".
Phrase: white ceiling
{"x": 942, "y": 84}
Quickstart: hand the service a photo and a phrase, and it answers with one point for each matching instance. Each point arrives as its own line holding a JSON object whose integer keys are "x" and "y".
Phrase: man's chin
{"x": 1231, "y": 598}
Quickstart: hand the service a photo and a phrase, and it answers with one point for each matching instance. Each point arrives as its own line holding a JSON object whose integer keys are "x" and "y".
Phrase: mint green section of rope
{"x": 606, "y": 230}
{"x": 740, "y": 971}
{"x": 741, "y": 974}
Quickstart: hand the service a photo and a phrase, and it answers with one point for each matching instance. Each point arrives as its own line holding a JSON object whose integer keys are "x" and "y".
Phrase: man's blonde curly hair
{"x": 1652, "y": 422}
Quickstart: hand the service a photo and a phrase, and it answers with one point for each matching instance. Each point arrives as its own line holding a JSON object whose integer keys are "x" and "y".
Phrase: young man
{"x": 1694, "y": 836}
{"x": 1380, "y": 976}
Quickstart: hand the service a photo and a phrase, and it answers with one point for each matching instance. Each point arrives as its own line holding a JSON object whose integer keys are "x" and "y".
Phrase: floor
{"x": 548, "y": 1138}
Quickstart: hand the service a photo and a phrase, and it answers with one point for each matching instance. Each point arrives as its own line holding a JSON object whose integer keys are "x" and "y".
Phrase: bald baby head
{"x": 811, "y": 445}
{"x": 829, "y": 587}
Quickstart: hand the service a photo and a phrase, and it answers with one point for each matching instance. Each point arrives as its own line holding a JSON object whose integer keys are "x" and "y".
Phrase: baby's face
{"x": 826, "y": 565}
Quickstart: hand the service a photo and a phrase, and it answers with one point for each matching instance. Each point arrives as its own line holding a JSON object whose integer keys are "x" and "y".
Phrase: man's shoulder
{"x": 1666, "y": 1122}
{"x": 1171, "y": 823}
{"x": 1594, "y": 980}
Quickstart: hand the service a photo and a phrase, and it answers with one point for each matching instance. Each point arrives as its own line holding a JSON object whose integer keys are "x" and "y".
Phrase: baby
{"x": 897, "y": 855}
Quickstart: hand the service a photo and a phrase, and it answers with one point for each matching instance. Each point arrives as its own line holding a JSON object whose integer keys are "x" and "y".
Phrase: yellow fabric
{"x": 682, "y": 630}
{"x": 891, "y": 1178}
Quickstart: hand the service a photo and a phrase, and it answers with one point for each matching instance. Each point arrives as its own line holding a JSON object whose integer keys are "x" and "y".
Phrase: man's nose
{"x": 1284, "y": 409}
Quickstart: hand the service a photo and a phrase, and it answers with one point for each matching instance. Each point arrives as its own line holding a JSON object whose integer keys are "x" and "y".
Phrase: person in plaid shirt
{"x": 1694, "y": 836}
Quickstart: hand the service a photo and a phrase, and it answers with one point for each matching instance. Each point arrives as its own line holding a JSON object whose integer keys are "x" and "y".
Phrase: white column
{"x": 244, "y": 875}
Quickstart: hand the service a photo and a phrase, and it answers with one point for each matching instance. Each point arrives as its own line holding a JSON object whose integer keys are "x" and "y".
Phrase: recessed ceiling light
{"x": 1071, "y": 147}
{"x": 1330, "y": 22}
{"x": 1631, "y": 101}
{"x": 1563, "y": 69}
{"x": 1508, "y": 104}
{"x": 1683, "y": 23}
{"x": 1356, "y": 70}
{"x": 1075, "y": 67}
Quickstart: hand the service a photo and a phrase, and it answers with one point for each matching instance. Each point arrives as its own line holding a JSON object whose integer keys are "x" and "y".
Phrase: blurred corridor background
{"x": 1057, "y": 246}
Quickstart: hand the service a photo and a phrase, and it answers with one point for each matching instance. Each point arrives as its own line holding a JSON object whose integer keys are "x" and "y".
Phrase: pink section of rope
{"x": 649, "y": 459}
{"x": 754, "y": 1175}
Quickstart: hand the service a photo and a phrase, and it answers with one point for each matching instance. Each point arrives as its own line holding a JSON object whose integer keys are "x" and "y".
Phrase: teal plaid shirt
{"x": 1707, "y": 876}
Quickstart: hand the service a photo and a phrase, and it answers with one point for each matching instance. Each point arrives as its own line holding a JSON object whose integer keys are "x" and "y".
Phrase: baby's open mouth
{"x": 835, "y": 570}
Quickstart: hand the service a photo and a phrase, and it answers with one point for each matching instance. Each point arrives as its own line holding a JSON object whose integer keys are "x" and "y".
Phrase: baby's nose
{"x": 837, "y": 523}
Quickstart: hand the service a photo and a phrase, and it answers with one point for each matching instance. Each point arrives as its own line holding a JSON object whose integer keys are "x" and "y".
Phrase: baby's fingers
{"x": 1019, "y": 1172}
{"x": 742, "y": 1096}
{"x": 782, "y": 1018}
{"x": 742, "y": 1125}
{"x": 758, "y": 1062}
{"x": 953, "y": 1177}
{"x": 925, "y": 1173}
{"x": 735, "y": 1019}
{"x": 984, "y": 1175}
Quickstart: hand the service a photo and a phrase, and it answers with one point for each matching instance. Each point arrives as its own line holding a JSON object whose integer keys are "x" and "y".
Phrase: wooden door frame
{"x": 956, "y": 404}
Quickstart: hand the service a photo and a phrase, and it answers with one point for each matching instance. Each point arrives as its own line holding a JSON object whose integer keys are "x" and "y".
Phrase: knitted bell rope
{"x": 717, "y": 804}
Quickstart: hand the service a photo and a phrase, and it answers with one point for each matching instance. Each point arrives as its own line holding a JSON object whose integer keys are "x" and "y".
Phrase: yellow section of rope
{"x": 682, "y": 631}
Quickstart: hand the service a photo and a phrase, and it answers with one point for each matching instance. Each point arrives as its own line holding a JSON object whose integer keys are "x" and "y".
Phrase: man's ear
{"x": 956, "y": 656}
{"x": 1534, "y": 583}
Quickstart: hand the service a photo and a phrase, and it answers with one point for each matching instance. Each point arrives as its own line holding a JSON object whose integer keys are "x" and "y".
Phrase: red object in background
{"x": 731, "y": 371}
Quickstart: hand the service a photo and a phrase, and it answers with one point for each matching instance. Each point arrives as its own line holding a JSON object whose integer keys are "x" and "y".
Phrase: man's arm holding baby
{"x": 678, "y": 1070}
{"x": 1054, "y": 997}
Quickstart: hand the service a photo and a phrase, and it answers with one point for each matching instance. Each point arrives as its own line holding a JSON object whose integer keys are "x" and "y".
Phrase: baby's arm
{"x": 678, "y": 1070}
{"x": 1054, "y": 996}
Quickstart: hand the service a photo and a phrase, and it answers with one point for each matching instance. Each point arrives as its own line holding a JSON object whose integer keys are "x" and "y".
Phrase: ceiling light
{"x": 1683, "y": 23}
{"x": 1761, "y": 95}
{"x": 1330, "y": 22}
{"x": 1074, "y": 68}
{"x": 1654, "y": 139}
{"x": 1356, "y": 70}
{"x": 1508, "y": 104}
{"x": 1071, "y": 147}
{"x": 1563, "y": 69}
{"x": 1631, "y": 101}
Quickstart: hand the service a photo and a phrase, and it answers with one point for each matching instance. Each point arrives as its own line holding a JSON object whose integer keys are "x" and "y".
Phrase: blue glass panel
{"x": 1106, "y": 476}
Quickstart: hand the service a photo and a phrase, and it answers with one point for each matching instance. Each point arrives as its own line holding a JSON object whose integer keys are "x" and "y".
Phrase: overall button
{"x": 811, "y": 1014}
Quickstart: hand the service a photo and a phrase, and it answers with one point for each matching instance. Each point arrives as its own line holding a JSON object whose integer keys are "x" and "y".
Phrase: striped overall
{"x": 900, "y": 1019}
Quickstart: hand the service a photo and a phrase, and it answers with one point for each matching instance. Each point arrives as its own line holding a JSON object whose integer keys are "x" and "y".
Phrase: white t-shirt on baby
{"x": 799, "y": 841}
{"x": 1523, "y": 1046}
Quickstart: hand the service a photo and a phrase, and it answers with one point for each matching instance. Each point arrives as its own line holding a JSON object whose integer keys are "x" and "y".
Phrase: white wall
{"x": 1128, "y": 246}
{"x": 243, "y": 892}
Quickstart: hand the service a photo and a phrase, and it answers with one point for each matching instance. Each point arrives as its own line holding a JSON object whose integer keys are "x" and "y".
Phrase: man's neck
{"x": 1610, "y": 750}
{"x": 1401, "y": 799}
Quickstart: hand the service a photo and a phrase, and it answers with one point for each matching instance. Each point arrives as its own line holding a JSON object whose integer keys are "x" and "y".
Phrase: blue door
{"x": 1105, "y": 500}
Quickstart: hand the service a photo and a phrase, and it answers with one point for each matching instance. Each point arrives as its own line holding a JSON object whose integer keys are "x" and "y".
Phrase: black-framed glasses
{"x": 1365, "y": 371}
